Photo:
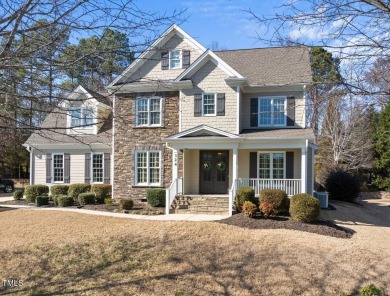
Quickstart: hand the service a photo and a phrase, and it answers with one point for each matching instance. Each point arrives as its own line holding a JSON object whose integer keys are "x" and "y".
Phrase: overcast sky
{"x": 222, "y": 21}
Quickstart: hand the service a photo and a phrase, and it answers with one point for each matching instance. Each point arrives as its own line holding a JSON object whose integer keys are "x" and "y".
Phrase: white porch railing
{"x": 176, "y": 188}
{"x": 291, "y": 186}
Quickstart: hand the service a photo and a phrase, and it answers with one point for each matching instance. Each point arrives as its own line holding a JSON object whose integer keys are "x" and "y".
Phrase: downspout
{"x": 180, "y": 101}
{"x": 238, "y": 110}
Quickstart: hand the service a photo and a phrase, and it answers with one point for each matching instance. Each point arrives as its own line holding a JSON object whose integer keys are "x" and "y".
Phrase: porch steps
{"x": 200, "y": 204}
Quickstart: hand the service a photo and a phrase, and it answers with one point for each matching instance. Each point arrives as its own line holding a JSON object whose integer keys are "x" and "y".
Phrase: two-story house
{"x": 200, "y": 122}
{"x": 197, "y": 122}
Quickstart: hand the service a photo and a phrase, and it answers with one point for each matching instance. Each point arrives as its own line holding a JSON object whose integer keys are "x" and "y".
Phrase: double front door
{"x": 214, "y": 172}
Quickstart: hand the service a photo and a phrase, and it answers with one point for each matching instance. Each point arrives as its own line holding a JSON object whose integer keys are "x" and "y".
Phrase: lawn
{"x": 75, "y": 254}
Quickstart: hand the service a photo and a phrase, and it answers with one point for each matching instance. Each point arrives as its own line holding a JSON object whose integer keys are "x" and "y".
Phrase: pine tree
{"x": 382, "y": 150}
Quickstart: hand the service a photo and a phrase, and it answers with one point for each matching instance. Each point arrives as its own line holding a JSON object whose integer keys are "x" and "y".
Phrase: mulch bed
{"x": 282, "y": 222}
{"x": 139, "y": 208}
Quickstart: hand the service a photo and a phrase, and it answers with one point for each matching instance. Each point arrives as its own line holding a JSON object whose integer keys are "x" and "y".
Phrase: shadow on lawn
{"x": 201, "y": 267}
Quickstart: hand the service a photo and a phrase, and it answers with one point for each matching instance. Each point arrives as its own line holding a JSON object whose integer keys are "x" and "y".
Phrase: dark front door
{"x": 214, "y": 172}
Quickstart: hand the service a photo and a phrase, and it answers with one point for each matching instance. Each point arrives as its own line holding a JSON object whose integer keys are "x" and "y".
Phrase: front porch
{"x": 205, "y": 163}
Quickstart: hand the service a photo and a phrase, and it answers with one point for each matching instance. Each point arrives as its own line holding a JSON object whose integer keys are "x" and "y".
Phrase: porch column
{"x": 303, "y": 170}
{"x": 235, "y": 164}
{"x": 175, "y": 164}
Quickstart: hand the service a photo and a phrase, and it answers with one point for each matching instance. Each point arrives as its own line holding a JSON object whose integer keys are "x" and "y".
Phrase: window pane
{"x": 264, "y": 165}
{"x": 149, "y": 111}
{"x": 58, "y": 168}
{"x": 278, "y": 165}
{"x": 174, "y": 59}
{"x": 155, "y": 111}
{"x": 88, "y": 116}
{"x": 208, "y": 104}
{"x": 141, "y": 167}
{"x": 142, "y": 112}
{"x": 265, "y": 111}
{"x": 278, "y": 111}
{"x": 97, "y": 168}
{"x": 154, "y": 164}
{"x": 75, "y": 117}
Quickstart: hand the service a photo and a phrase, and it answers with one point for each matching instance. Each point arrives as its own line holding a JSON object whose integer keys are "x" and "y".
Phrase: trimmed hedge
{"x": 156, "y": 197}
{"x": 59, "y": 190}
{"x": 64, "y": 201}
{"x": 242, "y": 195}
{"x": 266, "y": 209}
{"x": 18, "y": 195}
{"x": 249, "y": 208}
{"x": 275, "y": 197}
{"x": 32, "y": 191}
{"x": 102, "y": 191}
{"x": 126, "y": 204}
{"x": 75, "y": 190}
{"x": 304, "y": 208}
{"x": 342, "y": 185}
{"x": 42, "y": 200}
{"x": 87, "y": 198}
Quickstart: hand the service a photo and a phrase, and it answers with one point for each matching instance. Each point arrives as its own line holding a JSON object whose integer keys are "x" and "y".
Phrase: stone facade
{"x": 129, "y": 138}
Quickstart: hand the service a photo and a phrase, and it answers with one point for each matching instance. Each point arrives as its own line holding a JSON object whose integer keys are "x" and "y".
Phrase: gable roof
{"x": 208, "y": 55}
{"x": 270, "y": 66}
{"x": 203, "y": 131}
{"x": 138, "y": 62}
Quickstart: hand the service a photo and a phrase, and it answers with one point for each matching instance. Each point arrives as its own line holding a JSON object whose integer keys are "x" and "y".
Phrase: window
{"x": 271, "y": 165}
{"x": 272, "y": 111}
{"x": 148, "y": 112}
{"x": 81, "y": 117}
{"x": 97, "y": 168}
{"x": 175, "y": 59}
{"x": 209, "y": 104}
{"x": 147, "y": 168}
{"x": 58, "y": 168}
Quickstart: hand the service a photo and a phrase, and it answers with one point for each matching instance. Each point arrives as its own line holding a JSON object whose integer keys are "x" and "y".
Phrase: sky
{"x": 217, "y": 22}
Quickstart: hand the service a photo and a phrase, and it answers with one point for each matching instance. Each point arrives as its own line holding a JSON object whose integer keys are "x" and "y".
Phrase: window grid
{"x": 81, "y": 117}
{"x": 208, "y": 104}
{"x": 175, "y": 59}
{"x": 148, "y": 111}
{"x": 272, "y": 111}
{"x": 58, "y": 168}
{"x": 97, "y": 168}
{"x": 271, "y": 165}
{"x": 148, "y": 167}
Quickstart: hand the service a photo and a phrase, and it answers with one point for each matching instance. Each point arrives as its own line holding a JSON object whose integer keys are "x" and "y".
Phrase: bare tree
{"x": 356, "y": 31}
{"x": 346, "y": 138}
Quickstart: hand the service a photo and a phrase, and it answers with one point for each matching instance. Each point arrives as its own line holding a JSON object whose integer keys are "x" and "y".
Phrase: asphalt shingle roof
{"x": 53, "y": 131}
{"x": 286, "y": 133}
{"x": 270, "y": 66}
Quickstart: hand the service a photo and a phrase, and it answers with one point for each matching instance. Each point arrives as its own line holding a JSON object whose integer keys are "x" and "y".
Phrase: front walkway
{"x": 170, "y": 217}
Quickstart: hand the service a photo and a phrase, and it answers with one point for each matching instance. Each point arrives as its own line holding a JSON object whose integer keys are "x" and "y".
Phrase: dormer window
{"x": 81, "y": 117}
{"x": 175, "y": 59}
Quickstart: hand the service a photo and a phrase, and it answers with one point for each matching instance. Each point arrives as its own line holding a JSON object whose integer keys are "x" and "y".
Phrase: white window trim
{"x": 215, "y": 104}
{"x": 92, "y": 154}
{"x": 180, "y": 58}
{"x": 63, "y": 168}
{"x": 148, "y": 184}
{"x": 272, "y": 111}
{"x": 136, "y": 112}
{"x": 271, "y": 163}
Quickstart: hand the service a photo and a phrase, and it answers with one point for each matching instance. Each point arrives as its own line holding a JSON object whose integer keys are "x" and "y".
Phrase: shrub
{"x": 108, "y": 200}
{"x": 304, "y": 208}
{"x": 42, "y": 200}
{"x": 371, "y": 290}
{"x": 32, "y": 191}
{"x": 343, "y": 186}
{"x": 242, "y": 195}
{"x": 156, "y": 197}
{"x": 275, "y": 197}
{"x": 75, "y": 190}
{"x": 87, "y": 198}
{"x": 59, "y": 190}
{"x": 267, "y": 209}
{"x": 248, "y": 208}
{"x": 126, "y": 204}
{"x": 18, "y": 195}
{"x": 64, "y": 201}
{"x": 102, "y": 191}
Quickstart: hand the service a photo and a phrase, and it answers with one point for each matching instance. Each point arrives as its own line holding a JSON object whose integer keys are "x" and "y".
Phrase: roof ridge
{"x": 259, "y": 48}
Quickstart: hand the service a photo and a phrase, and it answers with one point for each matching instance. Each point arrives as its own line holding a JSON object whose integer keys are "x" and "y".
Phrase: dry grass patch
{"x": 73, "y": 254}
